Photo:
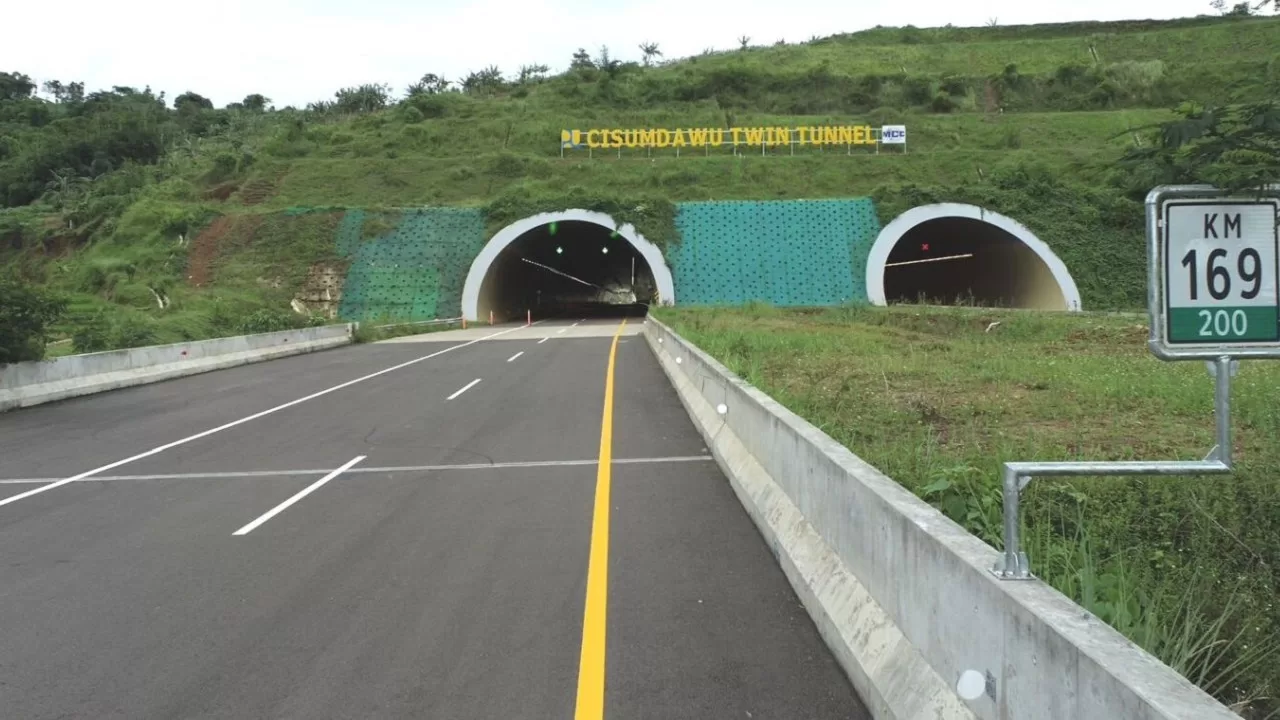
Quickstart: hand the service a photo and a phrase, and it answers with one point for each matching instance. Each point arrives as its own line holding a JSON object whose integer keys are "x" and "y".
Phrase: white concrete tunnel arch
{"x": 489, "y": 254}
{"x": 909, "y": 220}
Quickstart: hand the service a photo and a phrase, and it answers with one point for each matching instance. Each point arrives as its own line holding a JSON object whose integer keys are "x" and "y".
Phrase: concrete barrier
{"x": 901, "y": 594}
{"x": 32, "y": 383}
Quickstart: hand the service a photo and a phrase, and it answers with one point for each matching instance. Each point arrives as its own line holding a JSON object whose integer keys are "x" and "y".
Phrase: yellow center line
{"x": 591, "y": 664}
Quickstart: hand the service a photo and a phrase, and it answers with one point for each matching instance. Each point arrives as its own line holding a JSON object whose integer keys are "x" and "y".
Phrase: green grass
{"x": 1035, "y": 49}
{"x": 938, "y": 398}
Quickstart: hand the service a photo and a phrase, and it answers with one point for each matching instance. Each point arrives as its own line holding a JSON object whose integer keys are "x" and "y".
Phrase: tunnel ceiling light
{"x": 929, "y": 260}
{"x": 559, "y": 250}
{"x": 604, "y": 250}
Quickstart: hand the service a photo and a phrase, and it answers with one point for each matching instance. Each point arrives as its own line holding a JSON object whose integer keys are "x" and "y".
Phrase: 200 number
{"x": 1220, "y": 323}
{"x": 1218, "y": 278}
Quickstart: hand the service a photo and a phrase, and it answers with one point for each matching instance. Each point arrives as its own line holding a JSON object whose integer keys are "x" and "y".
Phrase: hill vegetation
{"x": 1056, "y": 125}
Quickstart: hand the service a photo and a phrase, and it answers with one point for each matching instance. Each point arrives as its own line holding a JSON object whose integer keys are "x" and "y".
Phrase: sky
{"x": 299, "y": 51}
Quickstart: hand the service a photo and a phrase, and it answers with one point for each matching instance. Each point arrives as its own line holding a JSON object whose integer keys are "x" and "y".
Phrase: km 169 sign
{"x": 1218, "y": 273}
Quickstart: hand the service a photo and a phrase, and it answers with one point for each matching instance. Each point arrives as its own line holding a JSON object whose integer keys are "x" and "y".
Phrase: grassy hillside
{"x": 105, "y": 191}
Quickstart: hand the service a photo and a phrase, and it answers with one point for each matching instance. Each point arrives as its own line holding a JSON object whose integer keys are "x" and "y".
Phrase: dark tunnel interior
{"x": 955, "y": 260}
{"x": 568, "y": 268}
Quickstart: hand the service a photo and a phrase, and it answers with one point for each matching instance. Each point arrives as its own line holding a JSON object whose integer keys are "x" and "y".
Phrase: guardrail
{"x": 437, "y": 321}
{"x": 32, "y": 383}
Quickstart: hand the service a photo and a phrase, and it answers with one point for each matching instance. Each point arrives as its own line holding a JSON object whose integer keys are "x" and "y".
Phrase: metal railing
{"x": 437, "y": 321}
{"x": 1014, "y": 565}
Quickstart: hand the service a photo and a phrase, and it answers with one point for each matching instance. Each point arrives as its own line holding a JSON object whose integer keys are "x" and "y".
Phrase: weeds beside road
{"x": 938, "y": 398}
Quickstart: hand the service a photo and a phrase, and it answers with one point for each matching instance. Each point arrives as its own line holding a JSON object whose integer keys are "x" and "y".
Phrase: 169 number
{"x": 1218, "y": 278}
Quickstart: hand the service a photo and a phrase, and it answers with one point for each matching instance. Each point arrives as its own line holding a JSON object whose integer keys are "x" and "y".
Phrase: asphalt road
{"x": 226, "y": 571}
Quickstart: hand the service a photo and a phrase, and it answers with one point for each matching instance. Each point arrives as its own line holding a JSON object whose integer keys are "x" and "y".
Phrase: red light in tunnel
{"x": 924, "y": 247}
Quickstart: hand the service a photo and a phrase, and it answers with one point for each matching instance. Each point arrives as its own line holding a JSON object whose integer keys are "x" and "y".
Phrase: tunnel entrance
{"x": 574, "y": 262}
{"x": 569, "y": 268}
{"x": 962, "y": 254}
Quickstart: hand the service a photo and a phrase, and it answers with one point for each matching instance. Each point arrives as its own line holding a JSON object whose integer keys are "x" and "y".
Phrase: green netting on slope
{"x": 785, "y": 252}
{"x": 347, "y": 236}
{"x": 414, "y": 271}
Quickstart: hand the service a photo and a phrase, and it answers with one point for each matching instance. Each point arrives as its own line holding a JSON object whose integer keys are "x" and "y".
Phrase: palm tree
{"x": 650, "y": 51}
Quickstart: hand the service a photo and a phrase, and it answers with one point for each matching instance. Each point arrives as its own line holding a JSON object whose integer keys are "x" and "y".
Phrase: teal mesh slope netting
{"x": 785, "y": 252}
{"x": 411, "y": 266}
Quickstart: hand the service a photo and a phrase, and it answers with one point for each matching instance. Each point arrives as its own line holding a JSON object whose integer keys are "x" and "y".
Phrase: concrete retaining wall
{"x": 33, "y": 383}
{"x": 903, "y": 595}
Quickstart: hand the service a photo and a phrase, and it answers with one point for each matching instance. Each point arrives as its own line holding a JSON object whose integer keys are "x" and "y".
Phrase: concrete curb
{"x": 888, "y": 673}
{"x": 900, "y": 593}
{"x": 27, "y": 384}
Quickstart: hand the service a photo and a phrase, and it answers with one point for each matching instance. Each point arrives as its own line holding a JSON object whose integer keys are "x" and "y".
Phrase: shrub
{"x": 431, "y": 106}
{"x": 461, "y": 173}
{"x": 507, "y": 165}
{"x": 224, "y": 166}
{"x": 25, "y": 315}
{"x": 105, "y": 332}
{"x": 1011, "y": 137}
{"x": 94, "y": 335}
{"x": 130, "y": 331}
{"x": 266, "y": 320}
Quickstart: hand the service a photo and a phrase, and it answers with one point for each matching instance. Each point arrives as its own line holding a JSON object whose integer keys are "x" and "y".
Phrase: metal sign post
{"x": 1213, "y": 294}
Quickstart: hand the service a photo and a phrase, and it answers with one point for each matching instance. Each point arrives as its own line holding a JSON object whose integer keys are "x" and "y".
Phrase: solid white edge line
{"x": 390, "y": 470}
{"x": 465, "y": 388}
{"x": 561, "y": 331}
{"x": 544, "y": 339}
{"x": 513, "y": 357}
{"x": 241, "y": 421}
{"x": 303, "y": 493}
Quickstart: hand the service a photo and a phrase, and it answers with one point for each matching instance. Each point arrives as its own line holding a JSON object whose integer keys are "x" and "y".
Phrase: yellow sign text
{"x": 717, "y": 137}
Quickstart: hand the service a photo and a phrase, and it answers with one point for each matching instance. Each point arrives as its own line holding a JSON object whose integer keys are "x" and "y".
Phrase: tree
{"x": 63, "y": 94}
{"x": 189, "y": 102}
{"x": 1236, "y": 147}
{"x": 582, "y": 61}
{"x": 362, "y": 99}
{"x": 66, "y": 188}
{"x": 1242, "y": 9}
{"x": 25, "y": 315}
{"x": 430, "y": 84}
{"x": 532, "y": 73}
{"x": 744, "y": 42}
{"x": 486, "y": 80}
{"x": 607, "y": 63}
{"x": 106, "y": 131}
{"x": 650, "y": 51}
{"x": 256, "y": 102}
{"x": 15, "y": 86}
